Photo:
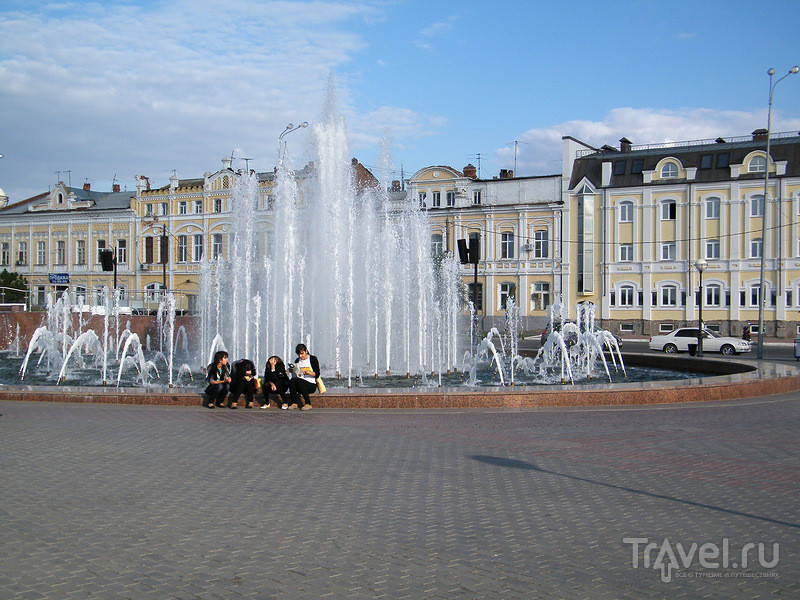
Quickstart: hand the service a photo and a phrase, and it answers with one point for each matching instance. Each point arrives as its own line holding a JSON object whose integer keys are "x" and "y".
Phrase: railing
{"x": 691, "y": 143}
{"x": 131, "y": 302}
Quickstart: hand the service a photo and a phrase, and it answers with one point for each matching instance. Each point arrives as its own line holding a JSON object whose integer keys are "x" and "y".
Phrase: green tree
{"x": 12, "y": 287}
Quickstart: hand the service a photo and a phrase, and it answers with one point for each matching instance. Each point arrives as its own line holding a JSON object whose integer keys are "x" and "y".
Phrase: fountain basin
{"x": 730, "y": 380}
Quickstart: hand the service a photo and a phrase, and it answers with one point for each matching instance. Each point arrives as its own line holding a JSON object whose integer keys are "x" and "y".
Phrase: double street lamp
{"x": 763, "y": 293}
{"x": 700, "y": 264}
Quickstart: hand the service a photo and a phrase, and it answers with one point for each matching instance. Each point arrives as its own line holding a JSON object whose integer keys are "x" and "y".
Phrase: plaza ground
{"x": 122, "y": 501}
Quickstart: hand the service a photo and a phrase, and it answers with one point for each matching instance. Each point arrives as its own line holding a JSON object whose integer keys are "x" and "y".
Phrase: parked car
{"x": 680, "y": 340}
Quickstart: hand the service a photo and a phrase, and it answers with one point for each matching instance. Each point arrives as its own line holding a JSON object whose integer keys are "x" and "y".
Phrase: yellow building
{"x": 641, "y": 216}
{"x": 516, "y": 220}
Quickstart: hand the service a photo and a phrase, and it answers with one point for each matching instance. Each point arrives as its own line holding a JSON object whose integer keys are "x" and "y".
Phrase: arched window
{"x": 508, "y": 290}
{"x": 626, "y": 295}
{"x": 154, "y": 292}
{"x": 507, "y": 244}
{"x": 712, "y": 207}
{"x": 669, "y": 171}
{"x": 626, "y": 212}
{"x": 669, "y": 210}
{"x": 758, "y": 164}
{"x": 713, "y": 294}
{"x": 669, "y": 295}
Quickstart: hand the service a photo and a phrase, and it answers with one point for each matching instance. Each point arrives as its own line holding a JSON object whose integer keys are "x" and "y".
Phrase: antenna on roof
{"x": 478, "y": 157}
{"x": 113, "y": 181}
{"x": 516, "y": 143}
{"x": 69, "y": 176}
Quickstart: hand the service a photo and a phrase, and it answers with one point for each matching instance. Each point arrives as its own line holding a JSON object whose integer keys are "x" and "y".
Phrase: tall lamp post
{"x": 289, "y": 129}
{"x": 700, "y": 264}
{"x": 763, "y": 293}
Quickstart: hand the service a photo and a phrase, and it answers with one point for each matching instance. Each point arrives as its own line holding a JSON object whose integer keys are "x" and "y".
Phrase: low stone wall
{"x": 731, "y": 381}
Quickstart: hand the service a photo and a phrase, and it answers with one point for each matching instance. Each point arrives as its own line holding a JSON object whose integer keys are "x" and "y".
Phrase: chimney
{"x": 760, "y": 135}
{"x": 470, "y": 171}
{"x": 115, "y": 187}
{"x": 226, "y": 162}
{"x": 625, "y": 145}
{"x": 396, "y": 185}
{"x": 87, "y": 186}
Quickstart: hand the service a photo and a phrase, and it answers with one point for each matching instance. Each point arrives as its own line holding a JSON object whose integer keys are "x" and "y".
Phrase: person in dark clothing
{"x": 304, "y": 378}
{"x": 218, "y": 377}
{"x": 244, "y": 381}
{"x": 276, "y": 382}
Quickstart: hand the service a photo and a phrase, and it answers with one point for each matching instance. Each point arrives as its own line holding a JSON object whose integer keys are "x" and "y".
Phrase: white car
{"x": 680, "y": 340}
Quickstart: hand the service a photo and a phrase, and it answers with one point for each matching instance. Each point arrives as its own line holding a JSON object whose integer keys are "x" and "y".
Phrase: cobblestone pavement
{"x": 104, "y": 501}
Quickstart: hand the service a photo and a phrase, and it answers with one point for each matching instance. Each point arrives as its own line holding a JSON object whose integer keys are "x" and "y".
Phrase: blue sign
{"x": 61, "y": 278}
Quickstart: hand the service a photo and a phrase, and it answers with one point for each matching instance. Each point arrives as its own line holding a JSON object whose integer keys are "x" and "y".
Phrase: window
{"x": 148, "y": 210}
{"x": 153, "y": 292}
{"x": 437, "y": 246}
{"x": 61, "y": 252}
{"x": 723, "y": 160}
{"x": 471, "y": 295}
{"x": 148, "y": 249}
{"x": 197, "y": 247}
{"x": 712, "y": 207}
{"x": 757, "y": 165}
{"x": 706, "y": 161}
{"x": 80, "y": 294}
{"x": 450, "y": 198}
{"x": 666, "y": 327}
{"x": 713, "y": 295}
{"x": 437, "y": 199}
{"x": 669, "y": 210}
{"x": 637, "y": 166}
{"x": 183, "y": 207}
{"x": 626, "y": 252}
{"x": 122, "y": 252}
{"x": 541, "y": 244}
{"x": 182, "y": 249}
{"x": 507, "y": 291}
{"x": 80, "y": 252}
{"x": 668, "y": 251}
{"x": 476, "y": 197}
{"x": 22, "y": 253}
{"x": 712, "y": 249}
{"x": 757, "y": 205}
{"x": 60, "y": 198}
{"x": 755, "y": 295}
{"x": 755, "y": 248}
{"x": 669, "y": 295}
{"x": 626, "y": 212}
{"x": 217, "y": 205}
{"x": 5, "y": 254}
{"x": 669, "y": 171}
{"x": 198, "y": 207}
{"x": 540, "y": 295}
{"x": 40, "y": 295}
{"x": 41, "y": 253}
{"x": 626, "y": 295}
{"x": 619, "y": 167}
{"x": 507, "y": 244}
{"x": 101, "y": 245}
{"x": 423, "y": 199}
{"x": 163, "y": 208}
{"x": 216, "y": 246}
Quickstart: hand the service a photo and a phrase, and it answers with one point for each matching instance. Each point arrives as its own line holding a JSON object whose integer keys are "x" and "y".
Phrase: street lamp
{"x": 762, "y": 295}
{"x": 700, "y": 264}
{"x": 289, "y": 129}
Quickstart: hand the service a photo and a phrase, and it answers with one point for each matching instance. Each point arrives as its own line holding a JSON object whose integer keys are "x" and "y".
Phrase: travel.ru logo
{"x": 668, "y": 557}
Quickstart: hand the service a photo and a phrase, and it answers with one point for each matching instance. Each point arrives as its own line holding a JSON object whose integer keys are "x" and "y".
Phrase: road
{"x": 781, "y": 351}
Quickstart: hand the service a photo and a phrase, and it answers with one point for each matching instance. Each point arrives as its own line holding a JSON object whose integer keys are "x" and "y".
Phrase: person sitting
{"x": 218, "y": 377}
{"x": 276, "y": 382}
{"x": 244, "y": 382}
{"x": 304, "y": 378}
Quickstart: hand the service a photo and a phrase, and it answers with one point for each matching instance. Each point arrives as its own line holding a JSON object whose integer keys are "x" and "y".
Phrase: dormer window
{"x": 60, "y": 198}
{"x": 669, "y": 171}
{"x": 758, "y": 165}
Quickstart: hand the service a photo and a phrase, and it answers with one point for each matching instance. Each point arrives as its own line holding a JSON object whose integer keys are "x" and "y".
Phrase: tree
{"x": 13, "y": 287}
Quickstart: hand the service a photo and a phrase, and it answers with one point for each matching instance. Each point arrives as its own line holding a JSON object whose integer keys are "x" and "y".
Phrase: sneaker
{"x": 284, "y": 406}
{"x": 306, "y": 407}
{"x": 208, "y": 405}
{"x": 265, "y": 406}
{"x": 293, "y": 407}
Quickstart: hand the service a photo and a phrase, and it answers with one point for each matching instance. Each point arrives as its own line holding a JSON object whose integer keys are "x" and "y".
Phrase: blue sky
{"x": 125, "y": 88}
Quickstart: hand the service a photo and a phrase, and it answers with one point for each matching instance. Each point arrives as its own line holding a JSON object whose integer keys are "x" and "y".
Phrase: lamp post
{"x": 762, "y": 294}
{"x": 700, "y": 264}
{"x": 289, "y": 129}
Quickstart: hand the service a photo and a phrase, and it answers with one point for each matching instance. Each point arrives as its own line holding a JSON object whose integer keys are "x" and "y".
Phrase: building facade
{"x": 515, "y": 220}
{"x": 639, "y": 218}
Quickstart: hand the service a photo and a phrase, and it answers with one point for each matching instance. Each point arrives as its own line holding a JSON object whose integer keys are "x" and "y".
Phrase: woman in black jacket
{"x": 218, "y": 377}
{"x": 276, "y": 382}
{"x": 245, "y": 382}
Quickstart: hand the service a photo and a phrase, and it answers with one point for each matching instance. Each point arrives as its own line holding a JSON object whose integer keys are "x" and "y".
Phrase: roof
{"x": 100, "y": 201}
{"x": 783, "y": 147}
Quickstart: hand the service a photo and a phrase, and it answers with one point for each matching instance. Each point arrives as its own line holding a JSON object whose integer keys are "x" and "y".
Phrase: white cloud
{"x": 540, "y": 152}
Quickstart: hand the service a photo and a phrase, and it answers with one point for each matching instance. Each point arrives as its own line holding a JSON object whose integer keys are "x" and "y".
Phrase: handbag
{"x": 320, "y": 386}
